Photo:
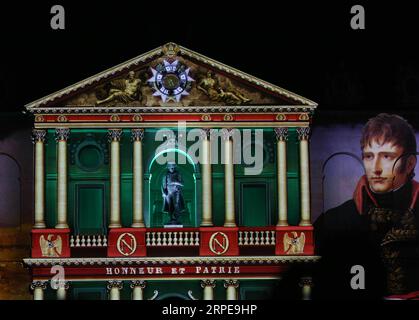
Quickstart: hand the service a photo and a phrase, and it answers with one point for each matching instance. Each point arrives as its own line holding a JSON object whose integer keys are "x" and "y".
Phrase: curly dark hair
{"x": 391, "y": 128}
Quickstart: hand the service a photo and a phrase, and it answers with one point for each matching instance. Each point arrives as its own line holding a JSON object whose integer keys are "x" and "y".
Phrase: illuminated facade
{"x": 98, "y": 183}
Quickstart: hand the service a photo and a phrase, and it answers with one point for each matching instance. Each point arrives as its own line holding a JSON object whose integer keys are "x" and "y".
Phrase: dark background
{"x": 306, "y": 47}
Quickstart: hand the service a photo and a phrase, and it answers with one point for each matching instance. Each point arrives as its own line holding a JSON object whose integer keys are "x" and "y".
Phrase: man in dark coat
{"x": 369, "y": 244}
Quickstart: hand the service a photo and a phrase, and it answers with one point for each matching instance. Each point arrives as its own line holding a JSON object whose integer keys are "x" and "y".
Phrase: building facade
{"x": 101, "y": 149}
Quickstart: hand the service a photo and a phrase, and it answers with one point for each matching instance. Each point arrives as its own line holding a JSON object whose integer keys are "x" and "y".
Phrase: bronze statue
{"x": 209, "y": 84}
{"x": 124, "y": 90}
{"x": 173, "y": 202}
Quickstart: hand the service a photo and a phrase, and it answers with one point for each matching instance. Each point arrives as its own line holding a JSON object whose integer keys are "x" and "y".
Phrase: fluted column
{"x": 137, "y": 212}
{"x": 138, "y": 287}
{"x": 114, "y": 138}
{"x": 231, "y": 285}
{"x": 114, "y": 286}
{"x": 303, "y": 136}
{"x": 281, "y": 147}
{"x": 62, "y": 135}
{"x": 306, "y": 283}
{"x": 38, "y": 138}
{"x": 208, "y": 285}
{"x": 206, "y": 179}
{"x": 229, "y": 220}
{"x": 62, "y": 290}
{"x": 38, "y": 288}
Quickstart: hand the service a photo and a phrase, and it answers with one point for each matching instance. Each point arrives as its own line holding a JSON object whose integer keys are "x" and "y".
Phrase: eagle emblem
{"x": 49, "y": 247}
{"x": 294, "y": 244}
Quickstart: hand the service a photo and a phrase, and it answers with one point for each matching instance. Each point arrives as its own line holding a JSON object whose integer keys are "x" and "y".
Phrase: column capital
{"x": 62, "y": 134}
{"x": 137, "y": 134}
{"x": 138, "y": 283}
{"x": 205, "y": 133}
{"x": 227, "y": 133}
{"x": 306, "y": 281}
{"x": 39, "y": 135}
{"x": 281, "y": 133}
{"x": 114, "y": 284}
{"x": 38, "y": 284}
{"x": 231, "y": 283}
{"x": 114, "y": 134}
{"x": 303, "y": 133}
{"x": 63, "y": 284}
{"x": 208, "y": 283}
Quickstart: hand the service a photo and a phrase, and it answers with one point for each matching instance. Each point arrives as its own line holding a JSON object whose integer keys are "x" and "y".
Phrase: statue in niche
{"x": 122, "y": 90}
{"x": 173, "y": 202}
{"x": 210, "y": 85}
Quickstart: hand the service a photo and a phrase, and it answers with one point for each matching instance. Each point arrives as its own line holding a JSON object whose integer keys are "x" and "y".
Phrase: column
{"x": 137, "y": 213}
{"x": 303, "y": 136}
{"x": 114, "y": 138}
{"x": 281, "y": 154}
{"x": 138, "y": 287}
{"x": 231, "y": 285}
{"x": 38, "y": 288}
{"x": 229, "y": 220}
{"x": 306, "y": 283}
{"x": 38, "y": 138}
{"x": 62, "y": 290}
{"x": 208, "y": 285}
{"x": 206, "y": 179}
{"x": 114, "y": 286}
{"x": 61, "y": 136}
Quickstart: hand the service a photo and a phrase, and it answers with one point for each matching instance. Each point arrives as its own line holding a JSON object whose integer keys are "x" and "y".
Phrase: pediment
{"x": 169, "y": 77}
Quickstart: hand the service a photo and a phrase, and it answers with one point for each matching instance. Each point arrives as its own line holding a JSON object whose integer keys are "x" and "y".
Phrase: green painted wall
{"x": 88, "y": 187}
{"x": 168, "y": 289}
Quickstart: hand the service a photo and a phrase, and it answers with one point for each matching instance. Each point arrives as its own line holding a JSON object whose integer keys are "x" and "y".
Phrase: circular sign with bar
{"x": 219, "y": 243}
{"x": 126, "y": 244}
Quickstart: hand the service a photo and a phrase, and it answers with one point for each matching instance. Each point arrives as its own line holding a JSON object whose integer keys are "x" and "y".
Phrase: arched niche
{"x": 153, "y": 200}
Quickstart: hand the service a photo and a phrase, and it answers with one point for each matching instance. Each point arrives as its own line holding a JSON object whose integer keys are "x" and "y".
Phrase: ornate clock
{"x": 170, "y": 80}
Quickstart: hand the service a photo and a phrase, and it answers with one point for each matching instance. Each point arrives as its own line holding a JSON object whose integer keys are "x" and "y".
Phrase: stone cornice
{"x": 169, "y": 109}
{"x": 254, "y": 260}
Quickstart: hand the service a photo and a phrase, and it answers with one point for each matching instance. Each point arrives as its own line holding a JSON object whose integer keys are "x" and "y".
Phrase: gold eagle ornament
{"x": 294, "y": 244}
{"x": 49, "y": 247}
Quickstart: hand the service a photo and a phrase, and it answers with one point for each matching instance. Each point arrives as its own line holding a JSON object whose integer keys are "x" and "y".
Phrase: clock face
{"x": 170, "y": 81}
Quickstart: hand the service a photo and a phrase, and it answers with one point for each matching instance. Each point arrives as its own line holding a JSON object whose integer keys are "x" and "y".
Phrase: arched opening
{"x": 156, "y": 171}
{"x": 10, "y": 191}
{"x": 173, "y": 296}
{"x": 340, "y": 174}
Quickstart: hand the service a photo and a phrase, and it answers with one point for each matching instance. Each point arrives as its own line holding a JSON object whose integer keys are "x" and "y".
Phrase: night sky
{"x": 306, "y": 48}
